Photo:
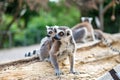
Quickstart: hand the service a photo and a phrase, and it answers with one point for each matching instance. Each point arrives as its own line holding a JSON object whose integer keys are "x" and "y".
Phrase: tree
{"x": 87, "y": 5}
{"x": 19, "y": 9}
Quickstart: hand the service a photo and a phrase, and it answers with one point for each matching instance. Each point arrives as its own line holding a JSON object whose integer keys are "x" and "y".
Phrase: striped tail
{"x": 29, "y": 54}
{"x": 113, "y": 74}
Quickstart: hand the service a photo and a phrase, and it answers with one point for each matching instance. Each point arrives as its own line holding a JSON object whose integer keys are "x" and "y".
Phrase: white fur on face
{"x": 90, "y": 19}
{"x": 58, "y": 31}
{"x": 50, "y": 29}
{"x": 70, "y": 31}
{"x": 66, "y": 36}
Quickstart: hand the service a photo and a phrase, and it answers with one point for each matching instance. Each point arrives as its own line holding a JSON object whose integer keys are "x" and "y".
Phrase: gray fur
{"x": 44, "y": 50}
{"x": 63, "y": 47}
{"x": 80, "y": 35}
{"x": 45, "y": 46}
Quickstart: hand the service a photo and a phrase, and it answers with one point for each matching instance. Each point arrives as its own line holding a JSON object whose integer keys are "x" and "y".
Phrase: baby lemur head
{"x": 62, "y": 33}
{"x": 50, "y": 31}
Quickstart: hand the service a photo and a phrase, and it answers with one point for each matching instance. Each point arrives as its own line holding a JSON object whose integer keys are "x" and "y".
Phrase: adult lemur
{"x": 64, "y": 46}
{"x": 87, "y": 28}
{"x": 46, "y": 42}
{"x": 79, "y": 34}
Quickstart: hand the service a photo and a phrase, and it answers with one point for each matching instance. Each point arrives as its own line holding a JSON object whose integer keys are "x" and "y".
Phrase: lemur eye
{"x": 50, "y": 32}
{"x": 61, "y": 33}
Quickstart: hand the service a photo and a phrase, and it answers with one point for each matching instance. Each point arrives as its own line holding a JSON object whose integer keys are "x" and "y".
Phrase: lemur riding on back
{"x": 45, "y": 45}
{"x": 87, "y": 30}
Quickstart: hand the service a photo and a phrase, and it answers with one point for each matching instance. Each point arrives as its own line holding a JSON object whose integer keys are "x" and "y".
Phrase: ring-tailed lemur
{"x": 64, "y": 46}
{"x": 80, "y": 35}
{"x": 88, "y": 19}
{"x": 46, "y": 42}
{"x": 89, "y": 31}
{"x": 45, "y": 45}
{"x": 101, "y": 36}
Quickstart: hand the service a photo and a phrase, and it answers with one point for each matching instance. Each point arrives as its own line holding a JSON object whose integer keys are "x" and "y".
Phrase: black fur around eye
{"x": 68, "y": 33}
{"x": 50, "y": 32}
{"x": 61, "y": 33}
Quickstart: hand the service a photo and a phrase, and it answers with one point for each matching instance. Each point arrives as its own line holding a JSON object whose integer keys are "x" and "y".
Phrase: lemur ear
{"x": 82, "y": 19}
{"x": 47, "y": 27}
{"x": 90, "y": 19}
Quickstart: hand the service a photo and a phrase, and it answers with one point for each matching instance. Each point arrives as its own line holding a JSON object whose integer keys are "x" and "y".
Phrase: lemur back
{"x": 44, "y": 50}
{"x": 80, "y": 35}
{"x": 88, "y": 26}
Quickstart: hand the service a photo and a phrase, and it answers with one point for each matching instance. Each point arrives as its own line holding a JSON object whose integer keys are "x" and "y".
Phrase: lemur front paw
{"x": 58, "y": 73}
{"x": 75, "y": 72}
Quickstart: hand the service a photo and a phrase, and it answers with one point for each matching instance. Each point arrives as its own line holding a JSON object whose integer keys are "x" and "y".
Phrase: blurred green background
{"x": 22, "y": 22}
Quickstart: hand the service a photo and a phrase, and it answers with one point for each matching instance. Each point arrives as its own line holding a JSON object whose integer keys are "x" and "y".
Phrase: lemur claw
{"x": 59, "y": 73}
{"x": 74, "y": 72}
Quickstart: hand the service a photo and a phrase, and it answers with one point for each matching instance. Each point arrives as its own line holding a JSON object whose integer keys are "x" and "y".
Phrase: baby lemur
{"x": 45, "y": 45}
{"x": 63, "y": 46}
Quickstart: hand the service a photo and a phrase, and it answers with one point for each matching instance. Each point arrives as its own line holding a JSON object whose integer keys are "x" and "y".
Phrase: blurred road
{"x": 13, "y": 54}
{"x": 7, "y": 55}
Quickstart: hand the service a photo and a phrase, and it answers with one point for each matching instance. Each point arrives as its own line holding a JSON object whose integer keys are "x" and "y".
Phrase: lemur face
{"x": 50, "y": 31}
{"x": 62, "y": 33}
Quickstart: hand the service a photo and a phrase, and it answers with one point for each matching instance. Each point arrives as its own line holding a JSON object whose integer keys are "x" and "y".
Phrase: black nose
{"x": 50, "y": 32}
{"x": 56, "y": 37}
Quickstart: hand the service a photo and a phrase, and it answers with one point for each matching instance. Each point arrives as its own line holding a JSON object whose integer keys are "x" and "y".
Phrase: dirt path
{"x": 88, "y": 62}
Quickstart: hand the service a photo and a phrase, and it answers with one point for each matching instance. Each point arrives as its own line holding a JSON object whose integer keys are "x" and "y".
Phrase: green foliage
{"x": 68, "y": 17}
{"x": 65, "y": 16}
{"x": 5, "y": 20}
{"x": 30, "y": 28}
{"x": 109, "y": 25}
{"x": 35, "y": 29}
{"x": 59, "y": 15}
